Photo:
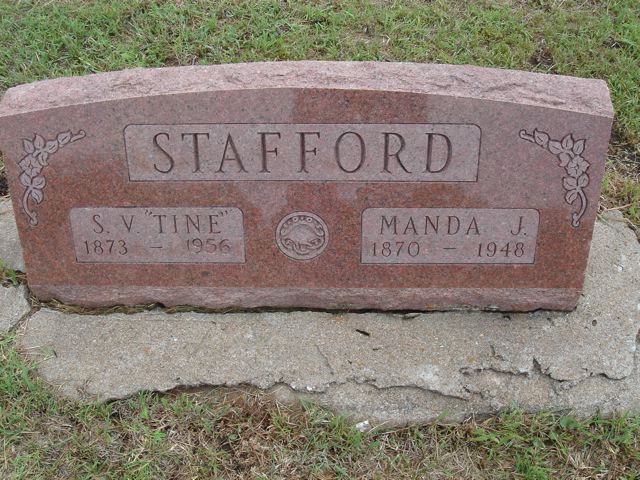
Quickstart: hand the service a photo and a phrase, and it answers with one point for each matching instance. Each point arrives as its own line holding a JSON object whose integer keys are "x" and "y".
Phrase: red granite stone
{"x": 308, "y": 184}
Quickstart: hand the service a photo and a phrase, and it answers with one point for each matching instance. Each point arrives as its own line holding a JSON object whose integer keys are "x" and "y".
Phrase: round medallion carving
{"x": 302, "y": 235}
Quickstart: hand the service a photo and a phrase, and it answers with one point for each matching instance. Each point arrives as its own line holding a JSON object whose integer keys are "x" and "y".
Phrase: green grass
{"x": 222, "y": 433}
{"x": 8, "y": 276}
{"x": 621, "y": 184}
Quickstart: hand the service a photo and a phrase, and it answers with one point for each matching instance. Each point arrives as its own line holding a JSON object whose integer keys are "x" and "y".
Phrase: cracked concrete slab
{"x": 395, "y": 368}
{"x": 14, "y": 305}
{"x": 10, "y": 248}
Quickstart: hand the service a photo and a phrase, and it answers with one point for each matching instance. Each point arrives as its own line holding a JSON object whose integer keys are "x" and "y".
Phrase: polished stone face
{"x": 308, "y": 184}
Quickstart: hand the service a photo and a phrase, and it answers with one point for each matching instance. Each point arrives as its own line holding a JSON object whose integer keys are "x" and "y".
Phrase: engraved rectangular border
{"x": 486, "y": 264}
{"x": 244, "y": 244}
{"x": 126, "y": 153}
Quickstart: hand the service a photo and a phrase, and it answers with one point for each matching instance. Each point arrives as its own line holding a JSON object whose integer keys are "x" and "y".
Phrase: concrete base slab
{"x": 14, "y": 305}
{"x": 10, "y": 248}
{"x": 384, "y": 367}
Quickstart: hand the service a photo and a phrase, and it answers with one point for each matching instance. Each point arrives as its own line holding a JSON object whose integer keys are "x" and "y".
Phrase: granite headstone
{"x": 308, "y": 184}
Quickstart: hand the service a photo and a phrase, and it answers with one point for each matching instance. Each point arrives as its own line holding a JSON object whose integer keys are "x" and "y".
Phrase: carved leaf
{"x": 578, "y": 147}
{"x": 38, "y": 142}
{"x": 542, "y": 138}
{"x": 27, "y": 145}
{"x": 583, "y": 180}
{"x": 25, "y": 162}
{"x": 569, "y": 183}
{"x": 38, "y": 182}
{"x": 37, "y": 195}
{"x": 25, "y": 179}
{"x": 567, "y": 142}
{"x": 51, "y": 146}
{"x": 571, "y": 196}
{"x": 64, "y": 137}
{"x": 43, "y": 158}
{"x": 555, "y": 147}
{"x": 565, "y": 158}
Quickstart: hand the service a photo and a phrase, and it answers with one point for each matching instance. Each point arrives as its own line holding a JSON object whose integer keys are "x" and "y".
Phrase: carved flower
{"x": 30, "y": 165}
{"x": 568, "y": 152}
{"x": 577, "y": 166}
{"x": 37, "y": 156}
{"x": 40, "y": 148}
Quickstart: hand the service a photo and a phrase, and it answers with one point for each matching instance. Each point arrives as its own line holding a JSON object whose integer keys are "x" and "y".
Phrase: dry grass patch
{"x": 621, "y": 183}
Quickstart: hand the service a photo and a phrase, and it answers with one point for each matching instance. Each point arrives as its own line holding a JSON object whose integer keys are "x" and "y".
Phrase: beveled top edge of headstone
{"x": 582, "y": 95}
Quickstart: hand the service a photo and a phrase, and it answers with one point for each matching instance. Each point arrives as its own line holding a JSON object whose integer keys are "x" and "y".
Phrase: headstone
{"x": 308, "y": 184}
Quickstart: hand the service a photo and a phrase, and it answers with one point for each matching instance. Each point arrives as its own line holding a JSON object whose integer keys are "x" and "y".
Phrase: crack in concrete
{"x": 468, "y": 371}
{"x": 354, "y": 379}
{"x": 379, "y": 388}
{"x": 495, "y": 354}
{"x": 325, "y": 360}
{"x": 557, "y": 384}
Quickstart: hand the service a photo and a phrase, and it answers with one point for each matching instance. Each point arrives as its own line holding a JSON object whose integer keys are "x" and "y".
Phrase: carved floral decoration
{"x": 38, "y": 154}
{"x": 569, "y": 154}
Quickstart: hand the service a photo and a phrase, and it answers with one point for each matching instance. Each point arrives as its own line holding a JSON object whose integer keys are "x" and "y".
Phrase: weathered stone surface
{"x": 379, "y": 366}
{"x": 14, "y": 305}
{"x": 10, "y": 248}
{"x": 308, "y": 184}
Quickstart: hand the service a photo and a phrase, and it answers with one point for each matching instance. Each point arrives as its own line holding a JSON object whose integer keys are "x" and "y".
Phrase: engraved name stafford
{"x": 158, "y": 235}
{"x": 449, "y": 235}
{"x": 338, "y": 152}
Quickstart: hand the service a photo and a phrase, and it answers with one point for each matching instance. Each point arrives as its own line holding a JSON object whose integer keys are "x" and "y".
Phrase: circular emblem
{"x": 302, "y": 235}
